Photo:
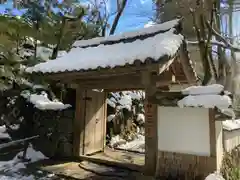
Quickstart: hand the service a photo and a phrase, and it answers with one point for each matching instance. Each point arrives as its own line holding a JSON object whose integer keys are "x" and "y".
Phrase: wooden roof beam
{"x": 100, "y": 72}
{"x": 124, "y": 82}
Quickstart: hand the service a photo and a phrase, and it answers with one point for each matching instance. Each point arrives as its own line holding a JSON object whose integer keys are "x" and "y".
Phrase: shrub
{"x": 231, "y": 165}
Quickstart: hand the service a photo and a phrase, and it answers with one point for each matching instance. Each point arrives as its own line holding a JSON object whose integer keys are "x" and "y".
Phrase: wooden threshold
{"x": 119, "y": 164}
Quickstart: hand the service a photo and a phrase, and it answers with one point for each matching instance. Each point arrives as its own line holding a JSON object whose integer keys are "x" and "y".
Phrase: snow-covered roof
{"x": 153, "y": 43}
{"x": 155, "y": 28}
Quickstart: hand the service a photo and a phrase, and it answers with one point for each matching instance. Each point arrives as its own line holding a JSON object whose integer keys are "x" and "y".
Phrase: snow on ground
{"x": 3, "y": 133}
{"x": 150, "y": 24}
{"x": 214, "y": 176}
{"x": 13, "y": 169}
{"x": 32, "y": 154}
{"x": 16, "y": 164}
{"x": 137, "y": 144}
{"x": 42, "y": 102}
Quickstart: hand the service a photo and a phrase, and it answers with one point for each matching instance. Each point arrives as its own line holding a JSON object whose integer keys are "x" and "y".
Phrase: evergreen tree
{"x": 48, "y": 24}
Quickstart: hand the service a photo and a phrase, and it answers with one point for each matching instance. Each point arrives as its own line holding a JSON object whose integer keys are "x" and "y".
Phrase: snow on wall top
{"x": 42, "y": 102}
{"x": 110, "y": 56}
{"x": 210, "y": 89}
{"x": 206, "y": 101}
{"x": 147, "y": 30}
{"x": 208, "y": 97}
{"x": 230, "y": 125}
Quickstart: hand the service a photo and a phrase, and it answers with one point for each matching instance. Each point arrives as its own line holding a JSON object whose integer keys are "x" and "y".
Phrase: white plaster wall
{"x": 184, "y": 130}
{"x": 231, "y": 139}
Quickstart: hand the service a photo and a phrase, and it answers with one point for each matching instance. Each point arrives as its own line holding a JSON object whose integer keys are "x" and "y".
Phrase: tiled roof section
{"x": 150, "y": 43}
{"x": 129, "y": 36}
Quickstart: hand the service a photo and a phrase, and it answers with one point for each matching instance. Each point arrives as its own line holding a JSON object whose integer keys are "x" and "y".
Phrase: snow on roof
{"x": 230, "y": 125}
{"x": 132, "y": 34}
{"x": 206, "y": 101}
{"x": 208, "y": 97}
{"x": 149, "y": 24}
{"x": 42, "y": 102}
{"x": 110, "y": 56}
{"x": 210, "y": 89}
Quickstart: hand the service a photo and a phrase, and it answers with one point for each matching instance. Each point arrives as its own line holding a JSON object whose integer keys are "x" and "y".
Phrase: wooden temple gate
{"x": 91, "y": 93}
{"x": 157, "y": 68}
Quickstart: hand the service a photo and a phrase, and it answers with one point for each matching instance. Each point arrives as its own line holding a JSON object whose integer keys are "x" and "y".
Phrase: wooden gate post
{"x": 78, "y": 121}
{"x": 151, "y": 139}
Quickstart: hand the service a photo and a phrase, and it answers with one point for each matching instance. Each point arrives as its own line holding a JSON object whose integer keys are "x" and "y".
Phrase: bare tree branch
{"x": 201, "y": 44}
{"x": 216, "y": 43}
{"x": 207, "y": 52}
{"x": 218, "y": 35}
{"x": 117, "y": 17}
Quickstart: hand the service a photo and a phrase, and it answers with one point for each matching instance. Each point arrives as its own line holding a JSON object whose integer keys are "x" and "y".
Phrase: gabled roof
{"x": 157, "y": 44}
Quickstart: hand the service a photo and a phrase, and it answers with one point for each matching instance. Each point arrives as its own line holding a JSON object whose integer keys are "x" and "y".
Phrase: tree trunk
{"x": 230, "y": 68}
{"x": 56, "y": 49}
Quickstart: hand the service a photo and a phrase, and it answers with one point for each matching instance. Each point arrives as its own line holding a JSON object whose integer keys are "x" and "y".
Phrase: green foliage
{"x": 60, "y": 29}
{"x": 12, "y": 32}
{"x": 231, "y": 165}
{"x": 43, "y": 25}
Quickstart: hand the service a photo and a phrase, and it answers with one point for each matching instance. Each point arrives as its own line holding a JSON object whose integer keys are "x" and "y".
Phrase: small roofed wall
{"x": 184, "y": 130}
{"x": 190, "y": 140}
{"x": 184, "y": 142}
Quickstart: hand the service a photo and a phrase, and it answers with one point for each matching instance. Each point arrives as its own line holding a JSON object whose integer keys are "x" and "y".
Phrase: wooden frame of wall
{"x": 173, "y": 163}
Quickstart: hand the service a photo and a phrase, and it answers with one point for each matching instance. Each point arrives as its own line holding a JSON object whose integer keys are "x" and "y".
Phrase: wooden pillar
{"x": 212, "y": 133}
{"x": 151, "y": 139}
{"x": 216, "y": 150}
{"x": 78, "y": 128}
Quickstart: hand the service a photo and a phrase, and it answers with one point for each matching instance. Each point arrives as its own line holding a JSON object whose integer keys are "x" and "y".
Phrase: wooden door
{"x": 95, "y": 122}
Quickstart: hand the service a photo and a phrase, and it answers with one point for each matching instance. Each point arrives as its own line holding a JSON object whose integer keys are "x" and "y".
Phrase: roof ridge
{"x": 131, "y": 35}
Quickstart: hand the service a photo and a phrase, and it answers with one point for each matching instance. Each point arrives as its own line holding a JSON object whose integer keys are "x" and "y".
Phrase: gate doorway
{"x": 93, "y": 136}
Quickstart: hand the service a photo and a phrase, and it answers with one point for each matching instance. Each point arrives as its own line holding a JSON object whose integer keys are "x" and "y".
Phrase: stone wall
{"x": 54, "y": 127}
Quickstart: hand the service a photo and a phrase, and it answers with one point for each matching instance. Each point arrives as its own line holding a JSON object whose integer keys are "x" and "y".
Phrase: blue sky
{"x": 136, "y": 14}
